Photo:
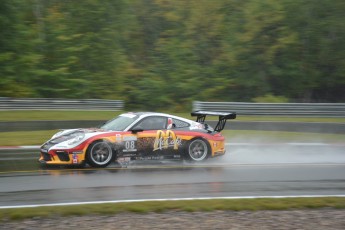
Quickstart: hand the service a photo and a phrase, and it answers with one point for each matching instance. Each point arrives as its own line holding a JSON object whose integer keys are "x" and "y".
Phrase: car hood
{"x": 68, "y": 132}
{"x": 70, "y": 138}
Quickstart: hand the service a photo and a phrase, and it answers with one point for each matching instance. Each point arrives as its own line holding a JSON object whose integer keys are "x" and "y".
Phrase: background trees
{"x": 158, "y": 54}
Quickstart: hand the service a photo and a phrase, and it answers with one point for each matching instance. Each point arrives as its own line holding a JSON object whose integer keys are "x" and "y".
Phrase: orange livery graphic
{"x": 165, "y": 140}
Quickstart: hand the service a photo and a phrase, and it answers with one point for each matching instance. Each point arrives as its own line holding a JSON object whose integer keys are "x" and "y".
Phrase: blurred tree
{"x": 261, "y": 36}
{"x": 318, "y": 57}
{"x": 160, "y": 54}
{"x": 82, "y": 49}
{"x": 17, "y": 61}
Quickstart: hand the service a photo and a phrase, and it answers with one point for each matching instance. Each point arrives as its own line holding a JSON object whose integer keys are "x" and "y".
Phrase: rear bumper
{"x": 216, "y": 154}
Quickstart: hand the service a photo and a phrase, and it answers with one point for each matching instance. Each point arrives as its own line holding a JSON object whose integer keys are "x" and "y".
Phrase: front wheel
{"x": 198, "y": 150}
{"x": 99, "y": 154}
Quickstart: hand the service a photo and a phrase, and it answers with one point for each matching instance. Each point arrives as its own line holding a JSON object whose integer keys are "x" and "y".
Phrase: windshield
{"x": 120, "y": 123}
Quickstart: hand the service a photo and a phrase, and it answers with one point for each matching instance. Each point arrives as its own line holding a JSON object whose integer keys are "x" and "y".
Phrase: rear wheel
{"x": 198, "y": 150}
{"x": 99, "y": 154}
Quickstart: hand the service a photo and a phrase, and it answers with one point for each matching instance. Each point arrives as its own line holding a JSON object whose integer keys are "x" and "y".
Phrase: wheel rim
{"x": 198, "y": 150}
{"x": 101, "y": 153}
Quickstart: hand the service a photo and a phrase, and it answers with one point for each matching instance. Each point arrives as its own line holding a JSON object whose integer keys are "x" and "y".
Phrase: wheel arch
{"x": 95, "y": 141}
{"x": 186, "y": 150}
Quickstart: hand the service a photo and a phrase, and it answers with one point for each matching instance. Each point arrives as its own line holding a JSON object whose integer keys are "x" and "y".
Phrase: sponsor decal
{"x": 78, "y": 152}
{"x": 130, "y": 138}
{"x": 129, "y": 154}
{"x": 165, "y": 140}
{"x": 75, "y": 158}
{"x": 124, "y": 159}
{"x": 150, "y": 158}
{"x": 118, "y": 137}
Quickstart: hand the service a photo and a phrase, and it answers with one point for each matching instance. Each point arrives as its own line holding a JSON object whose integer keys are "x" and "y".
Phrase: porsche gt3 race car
{"x": 138, "y": 136}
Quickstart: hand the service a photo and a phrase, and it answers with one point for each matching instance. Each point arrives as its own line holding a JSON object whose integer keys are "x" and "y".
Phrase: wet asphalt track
{"x": 247, "y": 170}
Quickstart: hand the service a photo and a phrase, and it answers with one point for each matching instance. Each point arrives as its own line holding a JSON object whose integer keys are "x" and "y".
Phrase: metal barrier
{"x": 241, "y": 108}
{"x": 59, "y": 104}
{"x": 273, "y": 109}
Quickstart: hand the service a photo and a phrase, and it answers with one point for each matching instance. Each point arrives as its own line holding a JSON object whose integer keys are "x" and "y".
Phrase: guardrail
{"x": 275, "y": 109}
{"x": 59, "y": 104}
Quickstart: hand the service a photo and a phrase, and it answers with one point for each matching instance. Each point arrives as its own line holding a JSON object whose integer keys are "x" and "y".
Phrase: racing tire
{"x": 100, "y": 154}
{"x": 198, "y": 150}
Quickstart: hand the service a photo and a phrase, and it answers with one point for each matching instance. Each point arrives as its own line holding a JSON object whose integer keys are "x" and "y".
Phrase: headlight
{"x": 79, "y": 136}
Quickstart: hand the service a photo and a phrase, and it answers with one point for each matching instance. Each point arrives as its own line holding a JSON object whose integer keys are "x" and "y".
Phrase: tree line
{"x": 160, "y": 54}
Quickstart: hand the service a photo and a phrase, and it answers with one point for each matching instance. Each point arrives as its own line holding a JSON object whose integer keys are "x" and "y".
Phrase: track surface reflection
{"x": 245, "y": 171}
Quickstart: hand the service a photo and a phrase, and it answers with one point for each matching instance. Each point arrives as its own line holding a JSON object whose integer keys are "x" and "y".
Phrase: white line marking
{"x": 167, "y": 199}
{"x": 285, "y": 143}
{"x": 30, "y": 147}
{"x": 308, "y": 144}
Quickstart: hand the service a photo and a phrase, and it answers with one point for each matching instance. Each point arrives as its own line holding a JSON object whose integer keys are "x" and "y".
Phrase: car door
{"x": 155, "y": 141}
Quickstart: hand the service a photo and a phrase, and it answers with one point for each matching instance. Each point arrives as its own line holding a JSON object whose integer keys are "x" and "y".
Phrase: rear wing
{"x": 222, "y": 117}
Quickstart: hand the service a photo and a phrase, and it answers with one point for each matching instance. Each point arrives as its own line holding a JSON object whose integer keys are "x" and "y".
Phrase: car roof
{"x": 149, "y": 113}
{"x": 146, "y": 114}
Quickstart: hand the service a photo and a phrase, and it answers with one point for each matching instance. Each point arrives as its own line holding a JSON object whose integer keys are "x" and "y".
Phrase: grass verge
{"x": 260, "y": 136}
{"x": 19, "y": 165}
{"x": 44, "y": 115}
{"x": 58, "y": 115}
{"x": 39, "y": 137}
{"x": 25, "y": 137}
{"x": 164, "y": 206}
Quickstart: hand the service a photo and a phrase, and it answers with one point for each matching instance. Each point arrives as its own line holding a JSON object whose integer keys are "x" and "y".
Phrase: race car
{"x": 138, "y": 136}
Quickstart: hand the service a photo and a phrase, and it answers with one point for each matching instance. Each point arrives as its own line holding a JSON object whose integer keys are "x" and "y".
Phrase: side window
{"x": 152, "y": 123}
{"x": 179, "y": 123}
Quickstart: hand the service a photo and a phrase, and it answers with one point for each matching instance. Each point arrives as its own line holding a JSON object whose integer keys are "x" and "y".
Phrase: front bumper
{"x": 62, "y": 157}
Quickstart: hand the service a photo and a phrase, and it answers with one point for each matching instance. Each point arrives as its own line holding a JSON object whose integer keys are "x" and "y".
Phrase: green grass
{"x": 25, "y": 137}
{"x": 56, "y": 115}
{"x": 39, "y": 137}
{"x": 106, "y": 115}
{"x": 19, "y": 165}
{"x": 163, "y": 206}
{"x": 279, "y": 136}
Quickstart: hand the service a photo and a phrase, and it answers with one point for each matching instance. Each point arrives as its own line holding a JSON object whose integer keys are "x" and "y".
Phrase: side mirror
{"x": 136, "y": 130}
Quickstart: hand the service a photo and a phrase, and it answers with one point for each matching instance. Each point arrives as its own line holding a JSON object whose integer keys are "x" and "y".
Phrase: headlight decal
{"x": 77, "y": 137}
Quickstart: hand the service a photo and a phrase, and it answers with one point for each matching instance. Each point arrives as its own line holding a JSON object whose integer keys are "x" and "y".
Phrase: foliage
{"x": 158, "y": 54}
{"x": 269, "y": 98}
